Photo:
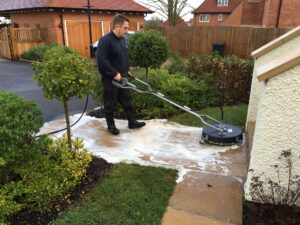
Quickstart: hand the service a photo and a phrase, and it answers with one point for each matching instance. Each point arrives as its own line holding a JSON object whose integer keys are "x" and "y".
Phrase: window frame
{"x": 222, "y": 3}
{"x": 220, "y": 17}
{"x": 207, "y": 16}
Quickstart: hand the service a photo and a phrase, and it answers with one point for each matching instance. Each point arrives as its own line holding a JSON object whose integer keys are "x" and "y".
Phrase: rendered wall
{"x": 277, "y": 127}
{"x": 256, "y": 86}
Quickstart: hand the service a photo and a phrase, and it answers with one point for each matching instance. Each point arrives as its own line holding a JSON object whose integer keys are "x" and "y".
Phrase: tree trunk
{"x": 67, "y": 116}
{"x": 147, "y": 71}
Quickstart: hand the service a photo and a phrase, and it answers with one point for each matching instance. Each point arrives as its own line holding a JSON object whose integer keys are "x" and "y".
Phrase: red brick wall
{"x": 253, "y": 12}
{"x": 289, "y": 15}
{"x": 234, "y": 19}
{"x": 213, "y": 20}
{"x": 52, "y": 21}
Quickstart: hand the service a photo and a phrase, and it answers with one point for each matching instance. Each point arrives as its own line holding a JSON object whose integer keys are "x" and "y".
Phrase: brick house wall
{"x": 52, "y": 20}
{"x": 289, "y": 13}
{"x": 253, "y": 12}
{"x": 213, "y": 20}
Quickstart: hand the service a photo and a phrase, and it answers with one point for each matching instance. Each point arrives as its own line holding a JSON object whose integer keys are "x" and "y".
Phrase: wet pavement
{"x": 209, "y": 187}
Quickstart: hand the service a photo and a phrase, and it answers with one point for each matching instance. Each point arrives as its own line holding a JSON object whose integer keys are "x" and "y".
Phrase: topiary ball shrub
{"x": 148, "y": 50}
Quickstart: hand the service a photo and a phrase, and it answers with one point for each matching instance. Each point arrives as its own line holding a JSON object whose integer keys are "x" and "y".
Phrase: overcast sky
{"x": 188, "y": 16}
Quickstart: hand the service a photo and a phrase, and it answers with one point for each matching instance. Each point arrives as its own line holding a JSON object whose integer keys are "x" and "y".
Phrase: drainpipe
{"x": 61, "y": 26}
{"x": 279, "y": 12}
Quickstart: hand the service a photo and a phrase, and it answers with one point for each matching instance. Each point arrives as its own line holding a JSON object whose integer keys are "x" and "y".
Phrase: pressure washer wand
{"x": 124, "y": 83}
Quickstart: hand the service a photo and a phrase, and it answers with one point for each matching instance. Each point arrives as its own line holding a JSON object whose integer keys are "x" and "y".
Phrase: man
{"x": 112, "y": 58}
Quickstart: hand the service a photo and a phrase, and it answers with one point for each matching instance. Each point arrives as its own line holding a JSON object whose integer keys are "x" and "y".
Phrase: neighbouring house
{"x": 216, "y": 12}
{"x": 179, "y": 23}
{"x": 273, "y": 118}
{"x": 67, "y": 20}
{"x": 271, "y": 13}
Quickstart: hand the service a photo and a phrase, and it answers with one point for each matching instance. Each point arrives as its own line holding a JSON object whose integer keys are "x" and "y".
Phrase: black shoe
{"x": 113, "y": 130}
{"x": 135, "y": 124}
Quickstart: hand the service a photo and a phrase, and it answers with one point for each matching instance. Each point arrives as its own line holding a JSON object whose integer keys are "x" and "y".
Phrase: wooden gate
{"x": 78, "y": 36}
{"x": 5, "y": 43}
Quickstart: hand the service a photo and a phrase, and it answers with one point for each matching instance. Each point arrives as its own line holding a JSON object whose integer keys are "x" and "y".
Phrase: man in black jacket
{"x": 112, "y": 58}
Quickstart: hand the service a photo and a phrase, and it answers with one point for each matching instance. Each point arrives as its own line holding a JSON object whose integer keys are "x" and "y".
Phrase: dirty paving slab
{"x": 209, "y": 187}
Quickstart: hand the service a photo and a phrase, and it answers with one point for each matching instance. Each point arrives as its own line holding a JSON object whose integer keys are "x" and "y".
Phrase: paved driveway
{"x": 16, "y": 77}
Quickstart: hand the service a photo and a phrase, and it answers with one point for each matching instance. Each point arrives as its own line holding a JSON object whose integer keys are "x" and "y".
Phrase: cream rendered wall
{"x": 256, "y": 86}
{"x": 277, "y": 118}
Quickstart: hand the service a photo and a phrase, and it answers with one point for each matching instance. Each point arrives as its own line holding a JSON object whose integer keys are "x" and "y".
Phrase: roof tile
{"x": 210, "y": 6}
{"x": 116, "y": 5}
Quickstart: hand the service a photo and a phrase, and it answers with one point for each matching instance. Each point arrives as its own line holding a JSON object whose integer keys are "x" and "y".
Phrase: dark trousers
{"x": 112, "y": 95}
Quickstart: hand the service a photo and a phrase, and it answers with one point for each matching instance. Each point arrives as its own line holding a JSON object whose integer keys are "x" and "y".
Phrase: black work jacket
{"x": 112, "y": 56}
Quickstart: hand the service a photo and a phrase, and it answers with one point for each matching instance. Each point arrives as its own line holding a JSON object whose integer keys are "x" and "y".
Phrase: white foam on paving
{"x": 159, "y": 143}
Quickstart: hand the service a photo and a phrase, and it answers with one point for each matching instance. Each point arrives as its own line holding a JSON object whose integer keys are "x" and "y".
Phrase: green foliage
{"x": 8, "y": 194}
{"x": 37, "y": 53}
{"x": 235, "y": 115}
{"x": 232, "y": 75}
{"x": 20, "y": 120}
{"x": 194, "y": 94}
{"x": 64, "y": 73}
{"x": 129, "y": 194}
{"x": 53, "y": 175}
{"x": 148, "y": 49}
{"x": 176, "y": 64}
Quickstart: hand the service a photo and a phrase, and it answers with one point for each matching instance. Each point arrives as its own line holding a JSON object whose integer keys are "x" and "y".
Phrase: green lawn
{"x": 235, "y": 115}
{"x": 129, "y": 195}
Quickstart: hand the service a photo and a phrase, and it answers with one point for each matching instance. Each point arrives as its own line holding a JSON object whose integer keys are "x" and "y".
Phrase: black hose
{"x": 57, "y": 131}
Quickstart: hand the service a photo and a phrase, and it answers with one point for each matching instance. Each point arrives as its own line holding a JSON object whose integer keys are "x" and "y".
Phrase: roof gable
{"x": 115, "y": 5}
{"x": 211, "y": 6}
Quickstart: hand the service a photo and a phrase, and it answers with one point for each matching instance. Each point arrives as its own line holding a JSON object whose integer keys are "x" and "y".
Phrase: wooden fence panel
{"x": 239, "y": 41}
{"x": 4, "y": 44}
{"x": 15, "y": 41}
{"x": 24, "y": 39}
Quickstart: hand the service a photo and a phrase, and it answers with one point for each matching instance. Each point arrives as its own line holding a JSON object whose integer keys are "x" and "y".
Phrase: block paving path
{"x": 209, "y": 188}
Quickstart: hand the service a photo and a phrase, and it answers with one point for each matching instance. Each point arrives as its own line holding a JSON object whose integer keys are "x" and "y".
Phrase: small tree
{"x": 148, "y": 49}
{"x": 64, "y": 74}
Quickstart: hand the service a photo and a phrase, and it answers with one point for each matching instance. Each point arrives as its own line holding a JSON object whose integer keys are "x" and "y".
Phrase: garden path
{"x": 209, "y": 187}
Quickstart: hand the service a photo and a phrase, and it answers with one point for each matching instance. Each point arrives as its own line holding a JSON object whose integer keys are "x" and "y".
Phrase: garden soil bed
{"x": 97, "y": 169}
{"x": 266, "y": 214}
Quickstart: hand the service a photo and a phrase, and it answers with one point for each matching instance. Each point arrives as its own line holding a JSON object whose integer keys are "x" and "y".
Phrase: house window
{"x": 26, "y": 25}
{"x": 220, "y": 17}
{"x": 223, "y": 2}
{"x": 204, "y": 17}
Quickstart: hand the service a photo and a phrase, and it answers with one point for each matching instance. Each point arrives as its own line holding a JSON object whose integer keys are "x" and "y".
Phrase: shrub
{"x": 53, "y": 175}
{"x": 20, "y": 120}
{"x": 176, "y": 64}
{"x": 232, "y": 75}
{"x": 147, "y": 49}
{"x": 194, "y": 94}
{"x": 37, "y": 53}
{"x": 64, "y": 74}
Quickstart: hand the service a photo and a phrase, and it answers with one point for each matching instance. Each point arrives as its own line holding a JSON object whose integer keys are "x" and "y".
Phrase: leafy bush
{"x": 53, "y": 175}
{"x": 194, "y": 94}
{"x": 148, "y": 49}
{"x": 37, "y": 53}
{"x": 232, "y": 75}
{"x": 175, "y": 64}
{"x": 20, "y": 120}
{"x": 64, "y": 74}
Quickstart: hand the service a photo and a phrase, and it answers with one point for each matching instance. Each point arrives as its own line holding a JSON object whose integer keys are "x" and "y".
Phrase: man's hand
{"x": 118, "y": 77}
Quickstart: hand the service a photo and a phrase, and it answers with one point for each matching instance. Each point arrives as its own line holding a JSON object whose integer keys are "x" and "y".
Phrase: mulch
{"x": 97, "y": 169}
